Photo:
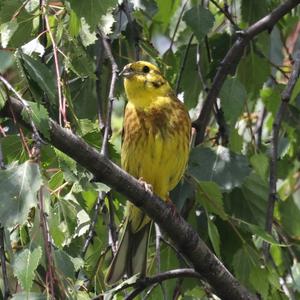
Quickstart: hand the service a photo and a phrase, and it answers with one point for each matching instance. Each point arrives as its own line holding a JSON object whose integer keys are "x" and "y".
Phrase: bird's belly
{"x": 159, "y": 160}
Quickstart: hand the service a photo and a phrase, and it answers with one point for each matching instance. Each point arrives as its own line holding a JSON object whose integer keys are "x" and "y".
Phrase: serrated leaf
{"x": 200, "y": 20}
{"x": 38, "y": 114}
{"x": 271, "y": 98}
{"x": 244, "y": 260}
{"x": 165, "y": 11}
{"x": 233, "y": 96}
{"x": 18, "y": 185}
{"x": 7, "y": 30}
{"x": 296, "y": 275}
{"x": 214, "y": 236}
{"x": 226, "y": 168}
{"x": 31, "y": 296}
{"x": 253, "y": 10}
{"x": 209, "y": 194}
{"x": 41, "y": 75}
{"x": 260, "y": 163}
{"x": 259, "y": 281}
{"x": 24, "y": 266}
{"x": 92, "y": 10}
{"x": 289, "y": 214}
{"x": 6, "y": 60}
{"x": 235, "y": 141}
{"x": 188, "y": 86}
{"x": 249, "y": 202}
{"x": 253, "y": 72}
{"x": 64, "y": 263}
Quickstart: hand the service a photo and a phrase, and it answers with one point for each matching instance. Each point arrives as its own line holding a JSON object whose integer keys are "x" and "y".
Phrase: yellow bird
{"x": 155, "y": 149}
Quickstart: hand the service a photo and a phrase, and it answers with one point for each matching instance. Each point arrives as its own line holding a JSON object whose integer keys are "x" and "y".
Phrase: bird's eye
{"x": 146, "y": 69}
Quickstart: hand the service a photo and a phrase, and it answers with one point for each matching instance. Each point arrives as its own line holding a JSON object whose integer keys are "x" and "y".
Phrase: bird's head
{"x": 144, "y": 83}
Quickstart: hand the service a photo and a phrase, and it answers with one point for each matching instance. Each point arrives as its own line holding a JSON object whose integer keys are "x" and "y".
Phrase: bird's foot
{"x": 172, "y": 206}
{"x": 148, "y": 187}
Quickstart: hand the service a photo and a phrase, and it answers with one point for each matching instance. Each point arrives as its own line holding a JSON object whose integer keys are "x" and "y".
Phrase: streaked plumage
{"x": 155, "y": 148}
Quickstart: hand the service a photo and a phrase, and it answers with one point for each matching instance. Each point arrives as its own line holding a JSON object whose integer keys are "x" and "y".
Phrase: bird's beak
{"x": 127, "y": 72}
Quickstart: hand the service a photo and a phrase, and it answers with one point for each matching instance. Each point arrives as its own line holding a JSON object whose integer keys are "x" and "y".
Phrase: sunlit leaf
{"x": 18, "y": 185}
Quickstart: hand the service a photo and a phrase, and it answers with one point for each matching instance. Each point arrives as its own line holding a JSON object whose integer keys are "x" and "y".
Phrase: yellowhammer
{"x": 155, "y": 149}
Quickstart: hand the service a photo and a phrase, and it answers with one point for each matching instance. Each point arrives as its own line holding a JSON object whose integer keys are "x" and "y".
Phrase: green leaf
{"x": 18, "y": 185}
{"x": 296, "y": 275}
{"x": 6, "y": 60}
{"x": 189, "y": 87}
{"x": 31, "y": 296}
{"x": 226, "y": 168}
{"x": 40, "y": 74}
{"x": 25, "y": 264}
{"x": 235, "y": 141}
{"x": 253, "y": 72}
{"x": 209, "y": 194}
{"x": 165, "y": 11}
{"x": 289, "y": 213}
{"x": 260, "y": 163}
{"x": 259, "y": 281}
{"x": 244, "y": 261}
{"x": 271, "y": 98}
{"x": 253, "y": 10}
{"x": 214, "y": 236}
{"x": 250, "y": 202}
{"x": 7, "y": 30}
{"x": 38, "y": 114}
{"x": 92, "y": 10}
{"x": 200, "y": 20}
{"x": 233, "y": 96}
{"x": 12, "y": 148}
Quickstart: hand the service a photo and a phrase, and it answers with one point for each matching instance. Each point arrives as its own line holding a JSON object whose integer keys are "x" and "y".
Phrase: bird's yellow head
{"x": 144, "y": 84}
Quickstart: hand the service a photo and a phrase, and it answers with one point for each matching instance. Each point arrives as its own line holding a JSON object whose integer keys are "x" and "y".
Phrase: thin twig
{"x": 146, "y": 282}
{"x": 177, "y": 25}
{"x": 231, "y": 60}
{"x": 111, "y": 96}
{"x": 104, "y": 151}
{"x": 3, "y": 266}
{"x": 178, "y": 253}
{"x": 133, "y": 30}
{"x": 226, "y": 14}
{"x": 149, "y": 281}
{"x": 61, "y": 99}
{"x": 183, "y": 64}
{"x": 157, "y": 250}
{"x": 2, "y": 164}
{"x": 90, "y": 234}
{"x": 50, "y": 277}
{"x": 285, "y": 98}
{"x": 25, "y": 106}
{"x": 98, "y": 72}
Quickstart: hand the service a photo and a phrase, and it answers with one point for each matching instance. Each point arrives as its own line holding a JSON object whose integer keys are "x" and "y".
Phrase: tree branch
{"x": 159, "y": 278}
{"x": 231, "y": 60}
{"x": 285, "y": 98}
{"x": 3, "y": 265}
{"x": 183, "y": 235}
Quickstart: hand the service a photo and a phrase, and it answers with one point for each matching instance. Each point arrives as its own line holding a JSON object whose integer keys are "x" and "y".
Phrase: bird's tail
{"x": 131, "y": 255}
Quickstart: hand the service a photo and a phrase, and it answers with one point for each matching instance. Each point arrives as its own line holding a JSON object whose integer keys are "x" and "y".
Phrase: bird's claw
{"x": 148, "y": 187}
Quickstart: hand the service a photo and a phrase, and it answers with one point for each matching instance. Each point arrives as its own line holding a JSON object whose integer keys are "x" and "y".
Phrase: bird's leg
{"x": 148, "y": 187}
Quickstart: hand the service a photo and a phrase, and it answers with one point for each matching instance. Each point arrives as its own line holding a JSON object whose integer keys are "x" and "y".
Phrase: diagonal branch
{"x": 185, "y": 238}
{"x": 231, "y": 60}
{"x": 285, "y": 98}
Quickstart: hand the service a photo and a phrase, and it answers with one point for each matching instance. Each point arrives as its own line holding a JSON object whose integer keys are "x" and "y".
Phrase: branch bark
{"x": 233, "y": 56}
{"x": 225, "y": 285}
{"x": 285, "y": 98}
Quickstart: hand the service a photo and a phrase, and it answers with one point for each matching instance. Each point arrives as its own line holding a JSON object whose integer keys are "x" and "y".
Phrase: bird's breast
{"x": 156, "y": 145}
